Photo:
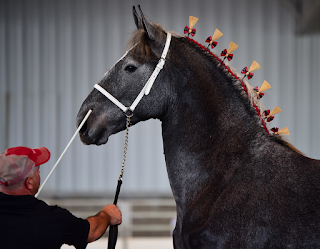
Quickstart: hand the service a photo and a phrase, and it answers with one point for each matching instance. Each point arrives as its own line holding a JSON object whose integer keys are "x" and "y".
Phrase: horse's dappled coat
{"x": 235, "y": 185}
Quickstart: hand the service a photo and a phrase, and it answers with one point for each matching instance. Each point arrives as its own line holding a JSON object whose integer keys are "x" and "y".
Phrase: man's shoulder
{"x": 55, "y": 210}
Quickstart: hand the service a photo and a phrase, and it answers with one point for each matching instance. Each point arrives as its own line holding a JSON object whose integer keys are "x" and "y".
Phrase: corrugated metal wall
{"x": 52, "y": 52}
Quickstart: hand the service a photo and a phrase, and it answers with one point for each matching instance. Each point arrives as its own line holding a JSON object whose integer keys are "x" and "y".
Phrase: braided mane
{"x": 250, "y": 93}
{"x": 142, "y": 52}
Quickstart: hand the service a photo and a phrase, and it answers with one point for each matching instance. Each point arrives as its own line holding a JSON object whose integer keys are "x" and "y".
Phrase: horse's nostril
{"x": 84, "y": 128}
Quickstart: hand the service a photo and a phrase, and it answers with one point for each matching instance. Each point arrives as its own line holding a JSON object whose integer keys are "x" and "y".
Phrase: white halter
{"x": 146, "y": 89}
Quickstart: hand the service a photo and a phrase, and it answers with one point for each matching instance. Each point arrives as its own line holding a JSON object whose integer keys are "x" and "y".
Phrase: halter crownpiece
{"x": 147, "y": 87}
{"x": 226, "y": 54}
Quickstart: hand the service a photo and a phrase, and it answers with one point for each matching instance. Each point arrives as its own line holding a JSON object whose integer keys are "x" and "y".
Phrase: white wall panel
{"x": 52, "y": 52}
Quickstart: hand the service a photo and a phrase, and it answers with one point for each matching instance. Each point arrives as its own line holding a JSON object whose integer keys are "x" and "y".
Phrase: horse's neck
{"x": 208, "y": 129}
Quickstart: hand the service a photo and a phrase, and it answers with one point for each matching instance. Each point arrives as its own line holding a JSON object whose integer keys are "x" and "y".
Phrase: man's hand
{"x": 108, "y": 215}
{"x": 115, "y": 216}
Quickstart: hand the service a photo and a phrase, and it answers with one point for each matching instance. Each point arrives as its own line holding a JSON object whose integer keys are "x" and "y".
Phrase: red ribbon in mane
{"x": 225, "y": 52}
{"x": 212, "y": 43}
{"x": 260, "y": 95}
{"x": 187, "y": 31}
{"x": 246, "y": 72}
{"x": 267, "y": 113}
{"x": 275, "y": 129}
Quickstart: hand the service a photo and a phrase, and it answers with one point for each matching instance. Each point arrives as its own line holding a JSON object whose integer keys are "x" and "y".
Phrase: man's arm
{"x": 108, "y": 215}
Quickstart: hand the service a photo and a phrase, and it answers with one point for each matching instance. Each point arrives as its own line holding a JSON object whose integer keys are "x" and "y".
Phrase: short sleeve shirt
{"x": 29, "y": 223}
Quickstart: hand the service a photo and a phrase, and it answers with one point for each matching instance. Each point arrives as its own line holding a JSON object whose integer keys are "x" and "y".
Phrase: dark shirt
{"x": 29, "y": 223}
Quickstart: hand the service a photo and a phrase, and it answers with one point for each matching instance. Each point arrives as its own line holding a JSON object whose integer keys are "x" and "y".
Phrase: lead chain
{"x": 125, "y": 145}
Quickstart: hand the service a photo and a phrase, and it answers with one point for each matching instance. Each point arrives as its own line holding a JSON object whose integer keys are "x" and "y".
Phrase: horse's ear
{"x": 148, "y": 26}
{"x": 137, "y": 18}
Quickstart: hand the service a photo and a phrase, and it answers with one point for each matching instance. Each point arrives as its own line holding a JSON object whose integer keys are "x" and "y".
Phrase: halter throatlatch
{"x": 146, "y": 89}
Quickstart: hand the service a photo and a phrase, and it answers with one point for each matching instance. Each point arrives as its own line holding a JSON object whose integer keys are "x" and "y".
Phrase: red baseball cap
{"x": 17, "y": 162}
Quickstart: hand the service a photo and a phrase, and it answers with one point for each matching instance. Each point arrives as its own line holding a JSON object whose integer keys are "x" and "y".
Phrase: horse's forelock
{"x": 139, "y": 41}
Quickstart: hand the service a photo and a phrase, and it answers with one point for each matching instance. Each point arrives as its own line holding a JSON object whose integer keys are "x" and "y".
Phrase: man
{"x": 29, "y": 223}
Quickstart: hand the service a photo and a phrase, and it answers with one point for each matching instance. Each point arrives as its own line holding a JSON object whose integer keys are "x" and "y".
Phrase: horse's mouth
{"x": 98, "y": 139}
{"x": 93, "y": 136}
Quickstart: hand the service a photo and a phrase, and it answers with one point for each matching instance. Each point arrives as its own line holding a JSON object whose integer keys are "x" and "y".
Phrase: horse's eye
{"x": 130, "y": 68}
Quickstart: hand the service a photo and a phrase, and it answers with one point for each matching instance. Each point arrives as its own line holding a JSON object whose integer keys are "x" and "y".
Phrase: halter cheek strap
{"x": 147, "y": 87}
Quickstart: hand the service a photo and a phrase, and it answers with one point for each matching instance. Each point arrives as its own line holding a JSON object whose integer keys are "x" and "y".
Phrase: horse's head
{"x": 125, "y": 81}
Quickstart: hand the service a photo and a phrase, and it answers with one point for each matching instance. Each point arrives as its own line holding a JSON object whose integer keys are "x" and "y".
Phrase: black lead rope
{"x": 113, "y": 230}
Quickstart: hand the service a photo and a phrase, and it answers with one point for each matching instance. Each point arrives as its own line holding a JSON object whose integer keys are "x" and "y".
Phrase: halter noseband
{"x": 146, "y": 89}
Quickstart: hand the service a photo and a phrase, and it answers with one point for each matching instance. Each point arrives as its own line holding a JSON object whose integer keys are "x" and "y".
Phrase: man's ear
{"x": 29, "y": 183}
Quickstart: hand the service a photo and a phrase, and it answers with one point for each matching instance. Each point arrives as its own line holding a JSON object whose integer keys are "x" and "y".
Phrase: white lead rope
{"x": 75, "y": 134}
{"x": 146, "y": 89}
